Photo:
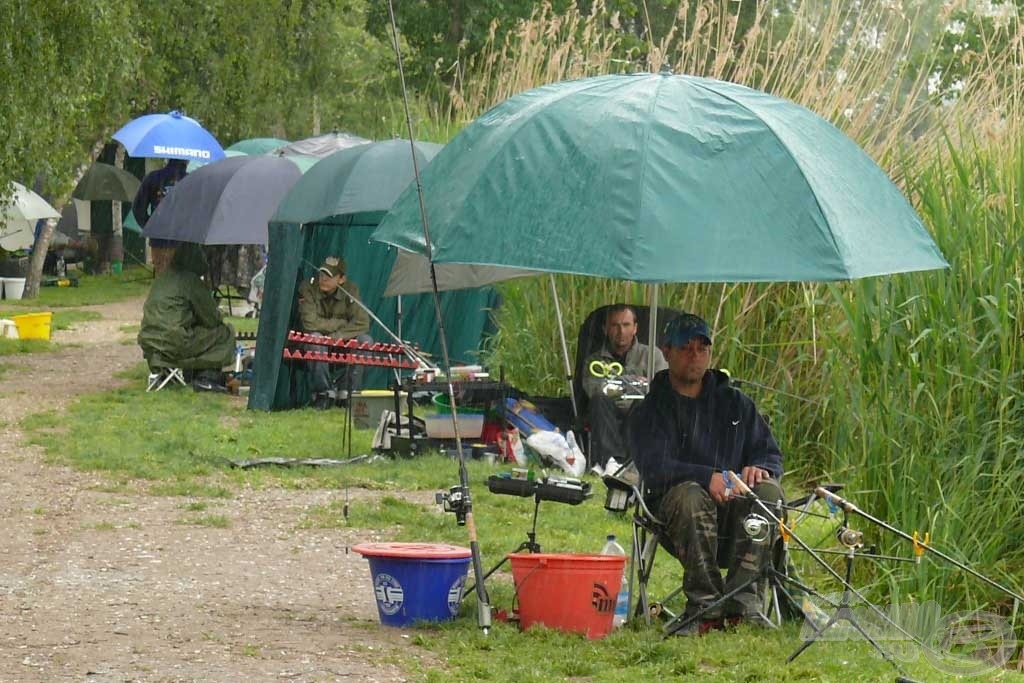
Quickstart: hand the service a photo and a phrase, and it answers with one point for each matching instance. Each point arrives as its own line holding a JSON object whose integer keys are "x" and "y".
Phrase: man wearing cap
{"x": 691, "y": 428}
{"x": 328, "y": 307}
{"x": 616, "y": 371}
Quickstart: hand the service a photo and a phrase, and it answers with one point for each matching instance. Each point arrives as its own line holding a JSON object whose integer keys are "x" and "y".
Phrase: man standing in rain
{"x": 153, "y": 189}
{"x": 328, "y": 307}
{"x": 181, "y": 326}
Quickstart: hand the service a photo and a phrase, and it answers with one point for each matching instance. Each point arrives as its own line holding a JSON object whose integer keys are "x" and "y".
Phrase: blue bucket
{"x": 416, "y": 581}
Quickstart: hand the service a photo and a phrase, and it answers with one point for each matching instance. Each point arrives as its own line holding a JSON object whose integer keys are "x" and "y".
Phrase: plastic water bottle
{"x": 612, "y": 547}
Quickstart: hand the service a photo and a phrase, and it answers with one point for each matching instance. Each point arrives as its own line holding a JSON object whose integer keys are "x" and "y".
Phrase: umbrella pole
{"x": 457, "y": 499}
{"x": 565, "y": 348}
{"x": 398, "y": 329}
{"x": 652, "y": 330}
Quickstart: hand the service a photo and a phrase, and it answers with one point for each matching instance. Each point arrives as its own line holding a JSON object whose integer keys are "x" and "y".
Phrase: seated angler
{"x": 181, "y": 326}
{"x": 619, "y": 369}
{"x": 690, "y": 428}
{"x": 329, "y": 307}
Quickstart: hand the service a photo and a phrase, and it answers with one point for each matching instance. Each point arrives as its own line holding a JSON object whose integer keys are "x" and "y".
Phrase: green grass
{"x": 62, "y": 320}
{"x": 10, "y": 347}
{"x": 242, "y": 324}
{"x": 91, "y": 290}
{"x": 144, "y": 436}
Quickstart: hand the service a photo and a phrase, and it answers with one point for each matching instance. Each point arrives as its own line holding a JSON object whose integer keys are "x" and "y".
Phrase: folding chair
{"x": 649, "y": 533}
{"x": 161, "y": 377}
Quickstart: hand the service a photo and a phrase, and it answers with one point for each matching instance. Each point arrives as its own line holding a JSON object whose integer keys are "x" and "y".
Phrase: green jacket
{"x": 181, "y": 326}
{"x": 332, "y": 314}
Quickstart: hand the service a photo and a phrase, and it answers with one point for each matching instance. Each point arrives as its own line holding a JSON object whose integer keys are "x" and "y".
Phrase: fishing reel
{"x": 756, "y": 527}
{"x": 850, "y": 538}
{"x": 456, "y": 500}
{"x": 624, "y": 386}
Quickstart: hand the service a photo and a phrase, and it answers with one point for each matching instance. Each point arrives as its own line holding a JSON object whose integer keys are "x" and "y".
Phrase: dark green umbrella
{"x": 355, "y": 185}
{"x": 662, "y": 178}
{"x": 105, "y": 182}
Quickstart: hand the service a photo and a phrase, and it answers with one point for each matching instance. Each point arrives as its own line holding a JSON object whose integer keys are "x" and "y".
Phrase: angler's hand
{"x": 752, "y": 476}
{"x": 717, "y": 489}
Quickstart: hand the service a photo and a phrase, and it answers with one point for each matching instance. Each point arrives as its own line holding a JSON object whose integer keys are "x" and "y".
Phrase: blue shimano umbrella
{"x": 169, "y": 136}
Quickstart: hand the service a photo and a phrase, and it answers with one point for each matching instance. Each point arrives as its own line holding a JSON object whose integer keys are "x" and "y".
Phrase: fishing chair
{"x": 590, "y": 339}
{"x": 649, "y": 533}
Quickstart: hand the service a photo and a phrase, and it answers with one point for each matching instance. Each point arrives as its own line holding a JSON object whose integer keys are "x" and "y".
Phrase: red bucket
{"x": 573, "y": 593}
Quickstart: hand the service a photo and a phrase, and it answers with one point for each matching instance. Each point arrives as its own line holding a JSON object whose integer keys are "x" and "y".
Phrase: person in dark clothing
{"x": 691, "y": 428}
{"x": 181, "y": 326}
{"x": 627, "y": 359}
{"x": 328, "y": 308}
{"x": 153, "y": 189}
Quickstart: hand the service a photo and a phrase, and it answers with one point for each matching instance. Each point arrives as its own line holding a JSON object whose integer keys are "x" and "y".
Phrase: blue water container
{"x": 416, "y": 581}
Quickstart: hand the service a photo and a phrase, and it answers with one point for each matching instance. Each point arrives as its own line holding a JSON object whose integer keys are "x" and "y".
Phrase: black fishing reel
{"x": 455, "y": 499}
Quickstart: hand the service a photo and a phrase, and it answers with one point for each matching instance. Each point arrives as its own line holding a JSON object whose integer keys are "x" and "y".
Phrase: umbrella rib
{"x": 795, "y": 161}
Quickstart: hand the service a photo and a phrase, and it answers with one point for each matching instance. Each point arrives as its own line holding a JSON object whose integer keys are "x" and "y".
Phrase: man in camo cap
{"x": 327, "y": 306}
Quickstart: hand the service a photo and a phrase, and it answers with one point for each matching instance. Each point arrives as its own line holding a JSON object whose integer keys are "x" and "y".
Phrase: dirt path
{"x": 109, "y": 586}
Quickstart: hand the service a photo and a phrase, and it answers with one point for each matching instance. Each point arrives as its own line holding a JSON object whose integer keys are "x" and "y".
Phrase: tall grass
{"x": 906, "y": 388}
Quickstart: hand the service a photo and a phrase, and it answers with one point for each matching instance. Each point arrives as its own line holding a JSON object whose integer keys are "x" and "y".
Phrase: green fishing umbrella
{"x": 661, "y": 178}
{"x": 105, "y": 182}
{"x": 361, "y": 182}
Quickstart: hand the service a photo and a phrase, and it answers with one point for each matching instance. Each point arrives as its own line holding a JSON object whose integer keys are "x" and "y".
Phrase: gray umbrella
{"x": 227, "y": 202}
{"x": 322, "y": 145}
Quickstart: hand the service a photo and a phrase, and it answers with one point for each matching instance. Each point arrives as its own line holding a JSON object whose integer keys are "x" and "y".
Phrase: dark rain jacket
{"x": 181, "y": 326}
{"x": 334, "y": 314}
{"x": 675, "y": 438}
{"x": 154, "y": 188}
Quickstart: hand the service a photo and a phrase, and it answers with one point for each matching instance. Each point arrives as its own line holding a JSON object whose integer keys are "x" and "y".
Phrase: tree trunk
{"x": 35, "y": 269}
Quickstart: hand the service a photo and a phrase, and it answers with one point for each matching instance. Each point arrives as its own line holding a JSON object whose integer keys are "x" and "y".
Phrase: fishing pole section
{"x": 457, "y": 499}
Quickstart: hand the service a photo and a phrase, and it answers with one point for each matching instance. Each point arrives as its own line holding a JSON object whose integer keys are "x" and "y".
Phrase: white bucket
{"x": 13, "y": 287}
{"x": 8, "y": 330}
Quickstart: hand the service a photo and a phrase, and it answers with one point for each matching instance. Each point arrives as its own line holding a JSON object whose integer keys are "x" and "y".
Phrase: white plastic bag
{"x": 577, "y": 460}
{"x": 556, "y": 449}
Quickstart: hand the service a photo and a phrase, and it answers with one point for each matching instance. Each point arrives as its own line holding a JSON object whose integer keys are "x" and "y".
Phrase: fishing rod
{"x": 457, "y": 499}
{"x": 787, "y": 533}
{"x": 921, "y": 545}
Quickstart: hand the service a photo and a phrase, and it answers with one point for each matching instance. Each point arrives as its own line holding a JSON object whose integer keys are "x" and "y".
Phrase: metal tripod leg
{"x": 845, "y": 613}
{"x": 530, "y": 545}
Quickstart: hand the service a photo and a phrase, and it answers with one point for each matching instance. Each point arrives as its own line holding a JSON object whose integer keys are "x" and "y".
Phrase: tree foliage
{"x": 64, "y": 67}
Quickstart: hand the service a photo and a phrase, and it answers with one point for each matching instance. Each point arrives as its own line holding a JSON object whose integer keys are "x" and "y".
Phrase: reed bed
{"x": 906, "y": 388}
